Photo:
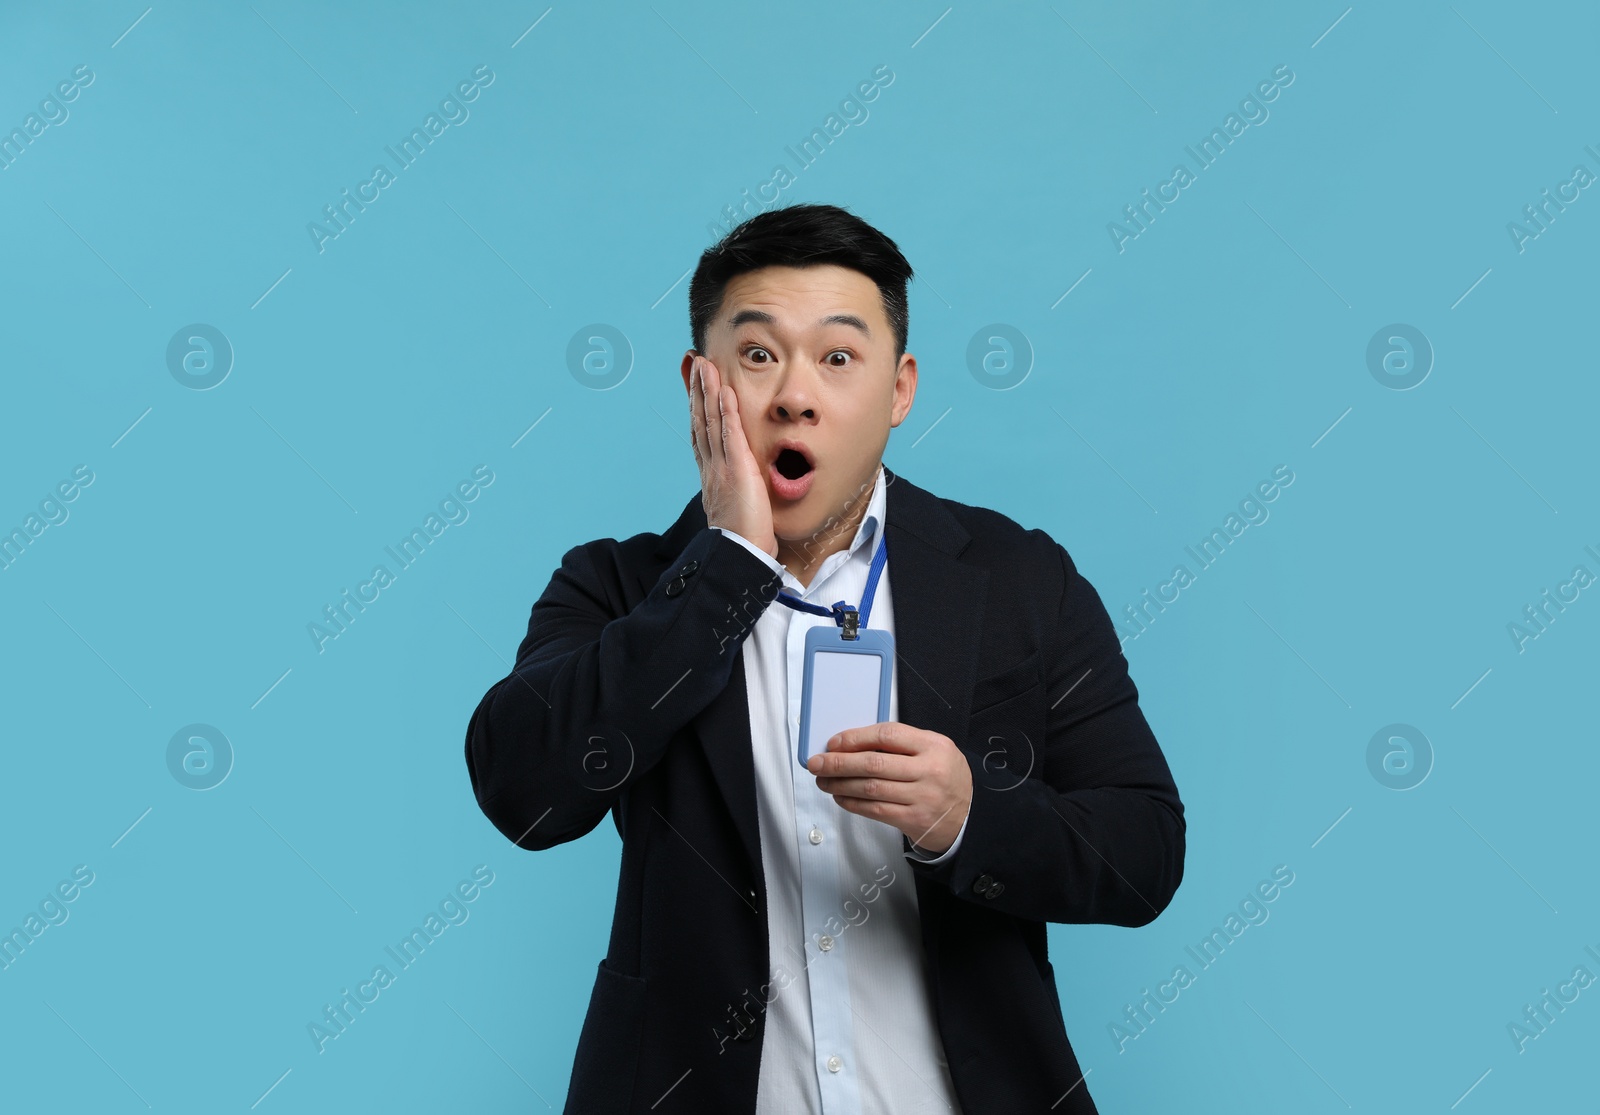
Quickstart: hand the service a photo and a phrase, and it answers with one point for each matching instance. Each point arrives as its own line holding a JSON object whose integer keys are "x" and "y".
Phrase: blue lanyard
{"x": 841, "y": 613}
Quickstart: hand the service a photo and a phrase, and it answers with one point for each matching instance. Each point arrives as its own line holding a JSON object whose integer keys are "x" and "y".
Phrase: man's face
{"x": 829, "y": 389}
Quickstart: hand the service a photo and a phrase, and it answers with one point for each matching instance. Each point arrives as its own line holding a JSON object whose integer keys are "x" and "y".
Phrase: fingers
{"x": 730, "y": 478}
{"x": 907, "y": 791}
{"x": 732, "y": 432}
{"x": 889, "y": 735}
{"x": 711, "y": 405}
{"x": 735, "y": 445}
{"x": 740, "y": 443}
{"x": 705, "y": 419}
{"x": 696, "y": 422}
{"x": 851, "y": 766}
{"x": 871, "y": 789}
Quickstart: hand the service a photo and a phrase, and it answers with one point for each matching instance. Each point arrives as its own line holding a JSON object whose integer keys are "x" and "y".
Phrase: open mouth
{"x": 792, "y": 464}
{"x": 791, "y": 472}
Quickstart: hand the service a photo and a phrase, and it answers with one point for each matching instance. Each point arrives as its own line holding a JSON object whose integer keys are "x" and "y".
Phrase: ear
{"x": 688, "y": 367}
{"x": 905, "y": 389}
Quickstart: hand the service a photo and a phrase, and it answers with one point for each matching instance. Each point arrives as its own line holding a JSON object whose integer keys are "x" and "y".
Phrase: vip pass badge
{"x": 846, "y": 676}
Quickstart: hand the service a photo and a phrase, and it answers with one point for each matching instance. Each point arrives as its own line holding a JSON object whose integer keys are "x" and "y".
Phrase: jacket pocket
{"x": 1008, "y": 683}
{"x": 1006, "y": 729}
{"x": 608, "y": 1046}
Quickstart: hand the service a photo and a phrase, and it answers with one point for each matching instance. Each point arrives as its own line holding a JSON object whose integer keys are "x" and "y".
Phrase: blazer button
{"x": 689, "y": 567}
{"x": 987, "y": 886}
{"x": 675, "y": 586}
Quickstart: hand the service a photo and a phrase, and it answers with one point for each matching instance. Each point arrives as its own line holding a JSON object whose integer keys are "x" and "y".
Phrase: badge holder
{"x": 846, "y": 680}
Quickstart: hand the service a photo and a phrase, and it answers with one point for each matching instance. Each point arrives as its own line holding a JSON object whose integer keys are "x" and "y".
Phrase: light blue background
{"x": 1230, "y": 337}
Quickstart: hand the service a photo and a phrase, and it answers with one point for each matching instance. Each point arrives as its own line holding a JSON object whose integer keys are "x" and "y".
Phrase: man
{"x": 864, "y": 934}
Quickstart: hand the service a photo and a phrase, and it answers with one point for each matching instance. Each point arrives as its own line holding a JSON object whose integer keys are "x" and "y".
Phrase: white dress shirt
{"x": 850, "y": 1028}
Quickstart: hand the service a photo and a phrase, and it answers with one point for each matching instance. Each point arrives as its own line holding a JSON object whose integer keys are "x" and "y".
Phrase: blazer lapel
{"x": 723, "y": 726}
{"x": 938, "y": 609}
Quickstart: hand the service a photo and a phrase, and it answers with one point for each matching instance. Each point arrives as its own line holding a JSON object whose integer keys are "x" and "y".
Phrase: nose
{"x": 794, "y": 397}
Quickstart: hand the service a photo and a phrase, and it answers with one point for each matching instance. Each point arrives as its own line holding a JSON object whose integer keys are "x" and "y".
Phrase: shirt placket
{"x": 818, "y": 833}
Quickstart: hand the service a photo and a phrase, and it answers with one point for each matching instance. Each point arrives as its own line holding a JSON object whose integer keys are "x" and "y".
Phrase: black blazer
{"x": 628, "y": 697}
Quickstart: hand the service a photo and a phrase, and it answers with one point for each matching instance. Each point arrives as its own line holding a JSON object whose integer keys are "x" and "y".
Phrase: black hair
{"x": 802, "y": 236}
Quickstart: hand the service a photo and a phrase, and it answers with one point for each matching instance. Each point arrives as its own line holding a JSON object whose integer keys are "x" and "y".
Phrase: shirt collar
{"x": 872, "y": 521}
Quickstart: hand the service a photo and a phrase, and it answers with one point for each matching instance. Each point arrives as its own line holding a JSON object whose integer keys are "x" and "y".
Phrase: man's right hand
{"x": 732, "y": 488}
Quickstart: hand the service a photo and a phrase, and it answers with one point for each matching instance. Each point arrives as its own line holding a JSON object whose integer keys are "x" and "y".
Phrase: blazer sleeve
{"x": 597, "y": 692}
{"x": 1096, "y": 832}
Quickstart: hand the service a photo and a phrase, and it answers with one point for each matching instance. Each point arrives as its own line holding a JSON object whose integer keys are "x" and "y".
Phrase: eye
{"x": 747, "y": 353}
{"x": 849, "y": 356}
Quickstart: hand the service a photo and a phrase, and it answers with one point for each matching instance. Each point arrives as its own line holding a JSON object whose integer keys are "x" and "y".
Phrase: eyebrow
{"x": 761, "y": 317}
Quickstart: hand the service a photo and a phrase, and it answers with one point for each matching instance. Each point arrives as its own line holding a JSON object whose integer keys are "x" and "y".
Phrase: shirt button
{"x": 816, "y": 836}
{"x": 834, "y": 1064}
{"x": 825, "y": 942}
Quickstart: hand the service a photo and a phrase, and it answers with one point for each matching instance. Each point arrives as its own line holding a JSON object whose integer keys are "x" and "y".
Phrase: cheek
{"x": 752, "y": 398}
{"x": 848, "y": 476}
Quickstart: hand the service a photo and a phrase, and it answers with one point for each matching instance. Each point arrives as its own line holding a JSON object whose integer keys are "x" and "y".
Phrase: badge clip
{"x": 848, "y": 619}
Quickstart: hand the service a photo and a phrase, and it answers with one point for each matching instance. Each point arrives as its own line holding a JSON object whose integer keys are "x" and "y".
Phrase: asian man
{"x": 865, "y": 933}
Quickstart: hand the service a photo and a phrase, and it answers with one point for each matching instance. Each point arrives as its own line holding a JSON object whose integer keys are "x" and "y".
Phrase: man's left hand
{"x": 911, "y": 778}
